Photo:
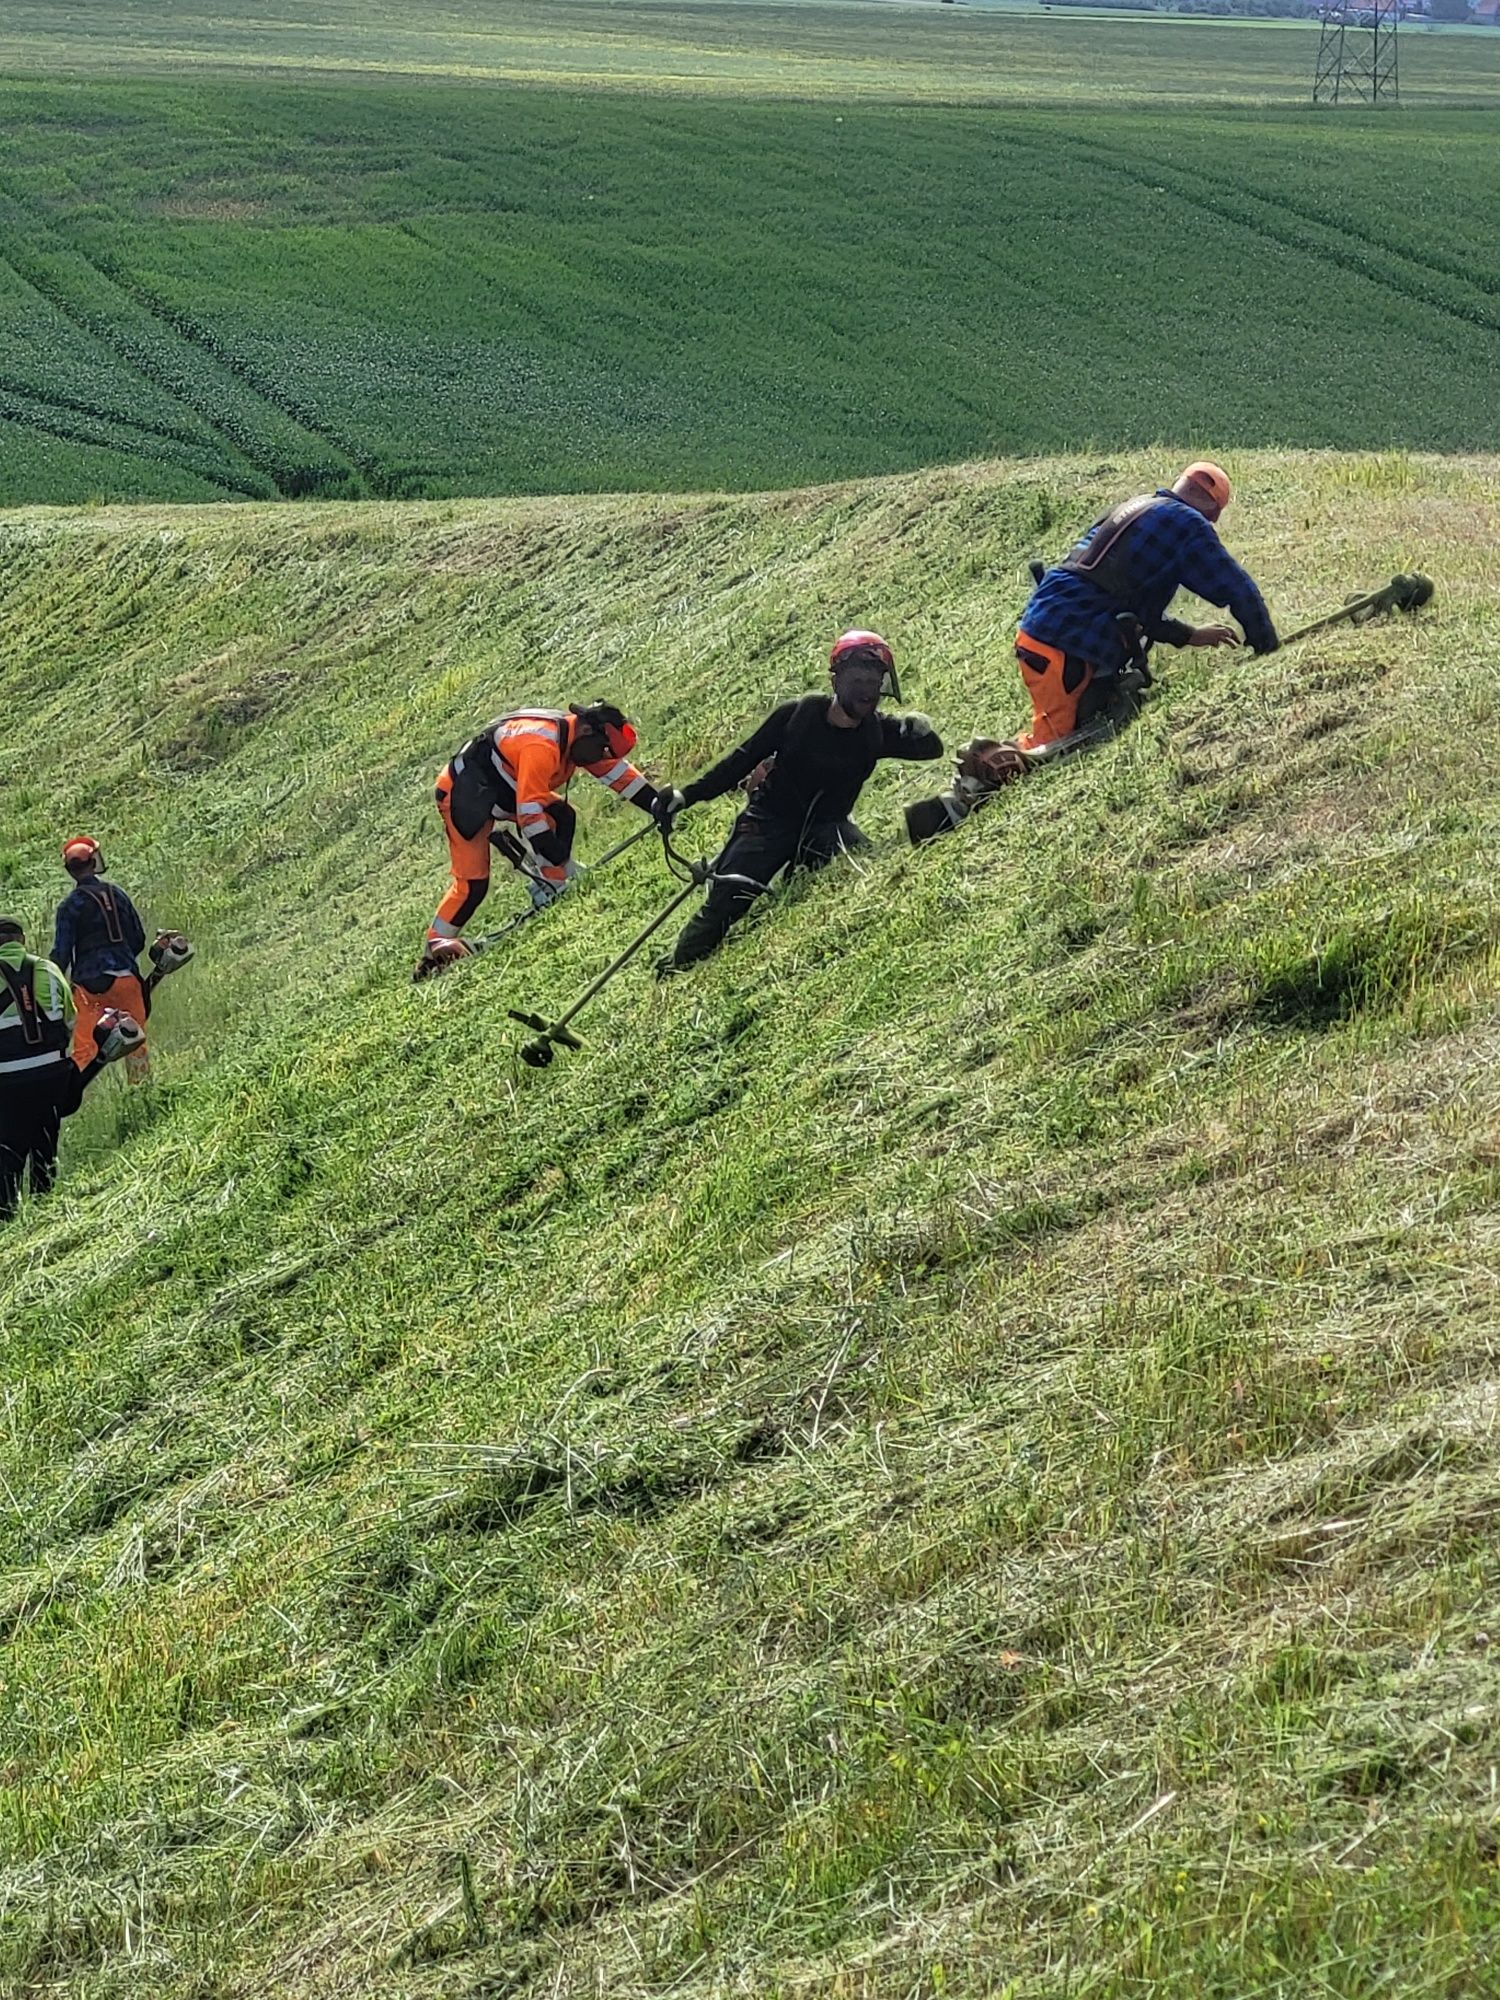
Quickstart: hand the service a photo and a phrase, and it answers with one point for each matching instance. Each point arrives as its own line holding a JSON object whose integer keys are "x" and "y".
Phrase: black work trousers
{"x": 757, "y": 850}
{"x": 33, "y": 1105}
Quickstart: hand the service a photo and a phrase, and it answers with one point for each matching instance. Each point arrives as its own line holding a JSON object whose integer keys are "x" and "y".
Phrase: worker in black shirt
{"x": 806, "y": 764}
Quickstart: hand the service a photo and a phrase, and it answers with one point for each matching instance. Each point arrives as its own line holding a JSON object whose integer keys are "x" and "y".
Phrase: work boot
{"x": 438, "y": 954}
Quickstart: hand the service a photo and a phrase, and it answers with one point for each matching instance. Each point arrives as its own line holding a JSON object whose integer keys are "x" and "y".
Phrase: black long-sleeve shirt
{"x": 819, "y": 771}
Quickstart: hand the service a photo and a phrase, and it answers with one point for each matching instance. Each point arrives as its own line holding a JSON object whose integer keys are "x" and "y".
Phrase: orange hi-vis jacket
{"x": 517, "y": 767}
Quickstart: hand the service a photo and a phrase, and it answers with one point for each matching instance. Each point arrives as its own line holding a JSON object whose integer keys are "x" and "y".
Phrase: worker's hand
{"x": 1215, "y": 635}
{"x": 669, "y": 803}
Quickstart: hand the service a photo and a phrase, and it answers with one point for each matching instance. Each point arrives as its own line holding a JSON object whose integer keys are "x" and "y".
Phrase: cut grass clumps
{"x": 950, "y": 1450}
{"x": 1375, "y": 965}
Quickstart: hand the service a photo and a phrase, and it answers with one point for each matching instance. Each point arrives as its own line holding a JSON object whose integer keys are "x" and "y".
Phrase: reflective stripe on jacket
{"x": 42, "y": 1039}
{"x": 523, "y": 762}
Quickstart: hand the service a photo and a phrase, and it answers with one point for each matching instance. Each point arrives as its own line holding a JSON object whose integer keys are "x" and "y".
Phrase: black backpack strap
{"x": 22, "y": 987}
{"x": 103, "y": 899}
{"x": 1103, "y": 561}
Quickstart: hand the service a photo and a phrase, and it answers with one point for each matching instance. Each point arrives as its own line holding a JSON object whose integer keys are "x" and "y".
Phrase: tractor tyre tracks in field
{"x": 49, "y": 417}
{"x": 228, "y": 416}
{"x": 1242, "y": 208}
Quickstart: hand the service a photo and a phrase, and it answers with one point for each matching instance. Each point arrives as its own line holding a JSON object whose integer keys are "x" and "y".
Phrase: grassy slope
{"x": 955, "y": 1446}
{"x": 306, "y": 278}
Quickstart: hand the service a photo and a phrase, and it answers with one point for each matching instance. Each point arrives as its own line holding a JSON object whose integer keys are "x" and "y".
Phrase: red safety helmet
{"x": 858, "y": 648}
{"x": 80, "y": 850}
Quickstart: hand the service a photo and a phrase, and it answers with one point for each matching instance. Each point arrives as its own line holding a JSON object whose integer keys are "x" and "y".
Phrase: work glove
{"x": 669, "y": 803}
{"x": 918, "y": 738}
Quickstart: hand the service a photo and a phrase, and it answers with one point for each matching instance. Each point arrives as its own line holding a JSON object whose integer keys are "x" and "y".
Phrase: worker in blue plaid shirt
{"x": 1095, "y": 614}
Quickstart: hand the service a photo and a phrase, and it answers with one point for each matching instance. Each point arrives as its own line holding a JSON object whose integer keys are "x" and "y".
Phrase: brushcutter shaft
{"x": 618, "y": 964}
{"x": 1402, "y": 593}
{"x": 539, "y": 1052}
{"x": 620, "y": 846}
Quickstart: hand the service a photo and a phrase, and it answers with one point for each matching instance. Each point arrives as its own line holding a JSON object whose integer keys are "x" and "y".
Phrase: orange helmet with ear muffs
{"x": 610, "y": 723}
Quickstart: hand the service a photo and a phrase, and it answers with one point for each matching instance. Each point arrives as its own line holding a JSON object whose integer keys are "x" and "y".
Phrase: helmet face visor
{"x": 621, "y": 738}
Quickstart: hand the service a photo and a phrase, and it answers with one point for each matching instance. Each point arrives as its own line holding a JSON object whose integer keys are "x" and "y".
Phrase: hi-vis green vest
{"x": 36, "y": 1012}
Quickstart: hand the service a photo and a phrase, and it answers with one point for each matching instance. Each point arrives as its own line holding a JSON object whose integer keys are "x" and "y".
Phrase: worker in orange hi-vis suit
{"x": 504, "y": 789}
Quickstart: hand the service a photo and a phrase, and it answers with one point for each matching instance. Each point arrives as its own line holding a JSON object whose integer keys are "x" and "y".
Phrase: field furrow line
{"x": 1241, "y": 211}
{"x": 194, "y": 376}
{"x": 98, "y": 412}
{"x": 14, "y": 411}
{"x": 208, "y": 344}
{"x": 1315, "y": 218}
{"x": 25, "y": 269}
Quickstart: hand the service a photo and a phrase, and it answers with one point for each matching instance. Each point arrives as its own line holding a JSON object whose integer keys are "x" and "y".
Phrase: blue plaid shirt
{"x": 81, "y": 944}
{"x": 1171, "y": 548}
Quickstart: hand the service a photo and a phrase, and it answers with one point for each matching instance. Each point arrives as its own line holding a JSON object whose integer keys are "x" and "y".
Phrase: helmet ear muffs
{"x": 602, "y": 718}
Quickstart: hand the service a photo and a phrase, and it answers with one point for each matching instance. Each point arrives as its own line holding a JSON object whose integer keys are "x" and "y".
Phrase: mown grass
{"x": 951, "y": 1451}
{"x": 252, "y": 283}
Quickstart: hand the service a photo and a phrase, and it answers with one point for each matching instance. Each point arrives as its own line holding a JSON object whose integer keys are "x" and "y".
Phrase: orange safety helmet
{"x": 611, "y": 724}
{"x": 1210, "y": 483}
{"x": 80, "y": 851}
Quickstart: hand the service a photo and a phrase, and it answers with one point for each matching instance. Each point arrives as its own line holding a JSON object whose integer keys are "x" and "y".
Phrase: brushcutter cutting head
{"x": 549, "y": 1033}
{"x": 1403, "y": 593}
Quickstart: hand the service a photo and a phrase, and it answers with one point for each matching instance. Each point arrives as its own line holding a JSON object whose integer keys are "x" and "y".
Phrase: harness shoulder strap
{"x": 22, "y": 986}
{"x": 1108, "y": 532}
{"x": 103, "y": 899}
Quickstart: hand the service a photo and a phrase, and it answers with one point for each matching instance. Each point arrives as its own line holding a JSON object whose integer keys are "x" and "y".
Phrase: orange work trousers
{"x": 124, "y": 992}
{"x": 1066, "y": 691}
{"x": 469, "y": 859}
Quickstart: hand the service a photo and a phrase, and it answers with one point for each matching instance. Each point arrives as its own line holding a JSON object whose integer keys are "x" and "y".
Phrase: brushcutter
{"x": 169, "y": 952}
{"x": 472, "y": 946}
{"x": 1403, "y": 593}
{"x": 558, "y": 1034}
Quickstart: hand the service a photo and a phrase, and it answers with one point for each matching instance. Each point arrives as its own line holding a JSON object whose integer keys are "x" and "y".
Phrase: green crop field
{"x": 950, "y": 1452}
{"x": 340, "y": 251}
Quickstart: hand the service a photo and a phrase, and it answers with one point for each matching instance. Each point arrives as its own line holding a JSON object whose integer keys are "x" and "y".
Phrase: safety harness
{"x": 102, "y": 897}
{"x": 40, "y": 1037}
{"x": 482, "y": 781}
{"x": 1105, "y": 561}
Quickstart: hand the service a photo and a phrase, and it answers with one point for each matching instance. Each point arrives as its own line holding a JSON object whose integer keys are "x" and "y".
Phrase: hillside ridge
{"x": 951, "y": 1450}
